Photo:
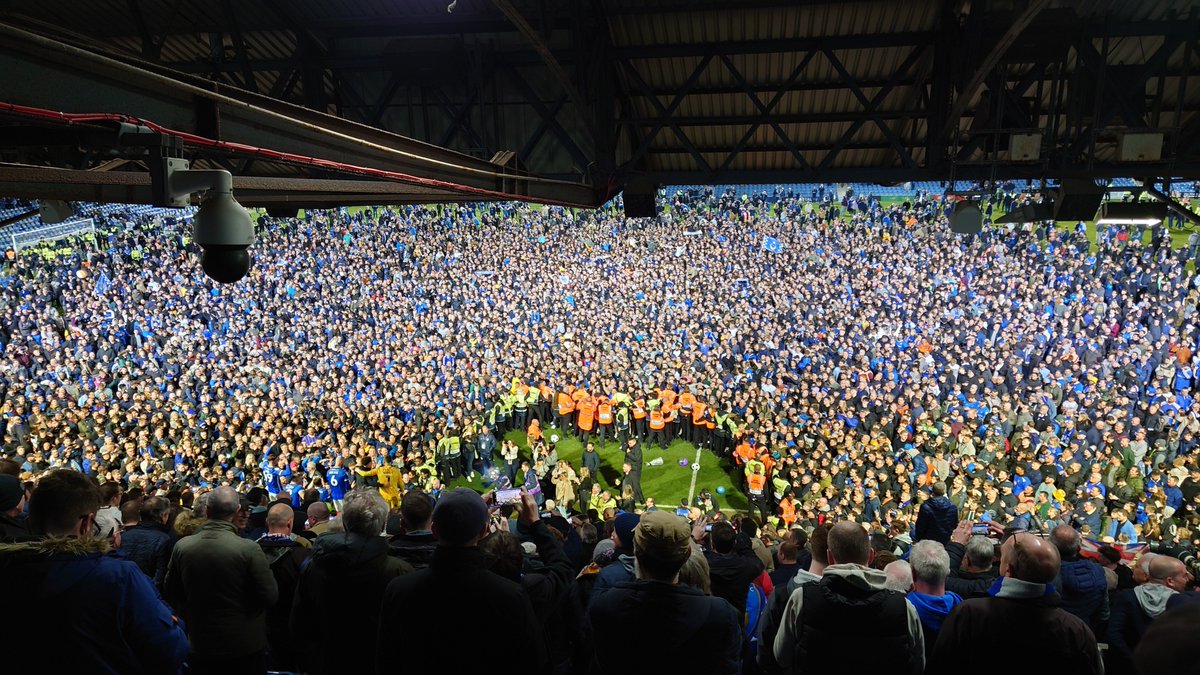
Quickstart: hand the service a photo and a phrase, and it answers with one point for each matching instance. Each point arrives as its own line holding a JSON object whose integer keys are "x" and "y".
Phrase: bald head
{"x": 849, "y": 544}
{"x": 318, "y": 512}
{"x": 1169, "y": 572}
{"x": 222, "y": 503}
{"x": 279, "y": 519}
{"x": 1029, "y": 558}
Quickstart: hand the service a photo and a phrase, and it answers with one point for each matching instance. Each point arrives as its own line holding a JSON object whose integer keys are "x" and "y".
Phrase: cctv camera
{"x": 223, "y": 229}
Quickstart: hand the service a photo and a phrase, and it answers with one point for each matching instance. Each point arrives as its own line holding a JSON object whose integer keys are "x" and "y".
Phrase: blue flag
{"x": 772, "y": 245}
{"x": 103, "y": 284}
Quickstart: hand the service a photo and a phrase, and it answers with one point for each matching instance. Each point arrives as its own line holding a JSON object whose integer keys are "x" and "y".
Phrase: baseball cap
{"x": 459, "y": 516}
{"x": 663, "y": 536}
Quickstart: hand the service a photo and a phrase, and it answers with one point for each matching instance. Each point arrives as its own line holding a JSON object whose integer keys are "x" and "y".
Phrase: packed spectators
{"x": 273, "y": 460}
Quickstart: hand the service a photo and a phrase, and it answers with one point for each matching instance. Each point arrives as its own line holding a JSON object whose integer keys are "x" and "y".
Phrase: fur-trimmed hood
{"x": 187, "y": 522}
{"x": 55, "y": 564}
{"x": 51, "y": 546}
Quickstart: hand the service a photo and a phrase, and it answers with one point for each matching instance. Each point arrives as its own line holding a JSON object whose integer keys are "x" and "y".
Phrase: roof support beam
{"x": 1180, "y": 209}
{"x": 239, "y": 45}
{"x": 665, "y": 113}
{"x": 581, "y": 159}
{"x": 765, "y": 110}
{"x": 1018, "y": 26}
{"x": 536, "y": 137}
{"x": 872, "y": 106}
{"x": 778, "y": 46}
{"x": 463, "y": 114}
{"x": 547, "y": 56}
{"x": 385, "y": 97}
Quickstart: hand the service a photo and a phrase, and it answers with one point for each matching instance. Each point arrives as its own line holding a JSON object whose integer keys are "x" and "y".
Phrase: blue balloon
{"x": 720, "y": 489}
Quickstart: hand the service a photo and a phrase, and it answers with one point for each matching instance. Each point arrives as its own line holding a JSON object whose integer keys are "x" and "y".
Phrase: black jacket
{"x": 548, "y": 584}
{"x": 654, "y": 627}
{"x": 344, "y": 581}
{"x": 13, "y": 530}
{"x": 149, "y": 546}
{"x": 431, "y": 620}
{"x": 285, "y": 558}
{"x": 223, "y": 587}
{"x": 1063, "y": 644}
{"x": 1084, "y": 591}
{"x": 732, "y": 573}
{"x": 1127, "y": 623}
{"x": 415, "y": 549}
{"x": 936, "y": 520}
{"x": 967, "y": 584}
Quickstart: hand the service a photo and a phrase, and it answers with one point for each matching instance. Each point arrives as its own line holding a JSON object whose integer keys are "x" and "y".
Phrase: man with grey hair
{"x": 346, "y": 577}
{"x": 972, "y": 571}
{"x": 899, "y": 576}
{"x": 222, "y": 585}
{"x": 930, "y": 567}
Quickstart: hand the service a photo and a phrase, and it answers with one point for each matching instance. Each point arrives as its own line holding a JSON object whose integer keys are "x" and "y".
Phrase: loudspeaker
{"x": 1139, "y": 147}
{"x": 640, "y": 204}
{"x": 1077, "y": 199}
{"x": 1025, "y": 147}
{"x": 967, "y": 218}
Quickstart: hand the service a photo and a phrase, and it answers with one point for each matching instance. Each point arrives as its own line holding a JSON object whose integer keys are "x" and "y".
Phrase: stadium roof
{"x": 570, "y": 101}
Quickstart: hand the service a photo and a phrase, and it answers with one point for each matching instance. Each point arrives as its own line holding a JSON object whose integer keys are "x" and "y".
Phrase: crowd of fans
{"x": 877, "y": 381}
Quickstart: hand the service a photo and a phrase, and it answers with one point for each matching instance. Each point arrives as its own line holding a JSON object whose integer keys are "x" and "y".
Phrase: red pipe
{"x": 193, "y": 139}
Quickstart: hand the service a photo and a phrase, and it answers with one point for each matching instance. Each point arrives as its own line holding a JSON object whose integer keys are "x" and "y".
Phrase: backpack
{"x": 756, "y": 606}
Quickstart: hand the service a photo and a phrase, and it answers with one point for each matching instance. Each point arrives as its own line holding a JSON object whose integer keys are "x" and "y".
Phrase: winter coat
{"x": 1131, "y": 614}
{"x": 564, "y": 486}
{"x": 285, "y": 556}
{"x": 547, "y": 581}
{"x": 769, "y": 626}
{"x": 967, "y": 584}
{"x": 1084, "y": 591}
{"x": 853, "y": 590}
{"x": 616, "y": 572}
{"x": 345, "y": 578}
{"x": 416, "y": 549}
{"x": 936, "y": 520}
{"x": 221, "y": 584}
{"x": 12, "y": 529}
{"x": 84, "y": 611}
{"x": 149, "y": 546}
{"x": 656, "y": 627}
{"x": 1014, "y": 611}
{"x": 423, "y": 617}
{"x": 732, "y": 573}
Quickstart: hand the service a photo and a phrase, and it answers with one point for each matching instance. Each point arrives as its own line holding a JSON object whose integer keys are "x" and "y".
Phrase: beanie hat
{"x": 11, "y": 491}
{"x": 459, "y": 516}
{"x": 623, "y": 527}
